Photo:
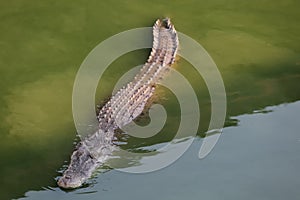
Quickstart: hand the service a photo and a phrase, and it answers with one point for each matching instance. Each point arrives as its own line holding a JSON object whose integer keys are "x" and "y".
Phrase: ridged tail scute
{"x": 165, "y": 45}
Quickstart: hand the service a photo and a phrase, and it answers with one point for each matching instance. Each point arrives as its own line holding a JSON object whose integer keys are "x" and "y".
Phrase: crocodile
{"x": 122, "y": 108}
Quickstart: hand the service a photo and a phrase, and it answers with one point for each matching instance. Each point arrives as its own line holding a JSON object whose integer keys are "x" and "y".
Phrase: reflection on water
{"x": 255, "y": 45}
{"x": 259, "y": 159}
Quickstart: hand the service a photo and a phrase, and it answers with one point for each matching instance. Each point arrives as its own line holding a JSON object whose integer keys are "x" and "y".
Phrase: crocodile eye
{"x": 91, "y": 156}
{"x": 68, "y": 177}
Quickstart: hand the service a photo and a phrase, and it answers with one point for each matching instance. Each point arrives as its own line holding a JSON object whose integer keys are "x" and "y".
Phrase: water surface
{"x": 255, "y": 44}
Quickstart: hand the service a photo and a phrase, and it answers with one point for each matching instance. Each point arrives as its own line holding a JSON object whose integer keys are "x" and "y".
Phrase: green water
{"x": 255, "y": 44}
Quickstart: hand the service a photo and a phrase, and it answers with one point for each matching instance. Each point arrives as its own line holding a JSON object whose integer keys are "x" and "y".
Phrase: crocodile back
{"x": 130, "y": 100}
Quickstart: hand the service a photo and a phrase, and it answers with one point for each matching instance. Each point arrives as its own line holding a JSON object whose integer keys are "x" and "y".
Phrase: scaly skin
{"x": 122, "y": 108}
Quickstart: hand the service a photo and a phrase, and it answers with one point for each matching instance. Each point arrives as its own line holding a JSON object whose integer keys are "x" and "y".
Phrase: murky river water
{"x": 255, "y": 45}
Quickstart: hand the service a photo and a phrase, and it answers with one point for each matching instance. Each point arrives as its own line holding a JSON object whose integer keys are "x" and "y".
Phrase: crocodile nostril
{"x": 61, "y": 183}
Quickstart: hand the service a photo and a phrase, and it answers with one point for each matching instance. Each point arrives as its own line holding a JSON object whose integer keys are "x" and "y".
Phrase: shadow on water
{"x": 256, "y": 50}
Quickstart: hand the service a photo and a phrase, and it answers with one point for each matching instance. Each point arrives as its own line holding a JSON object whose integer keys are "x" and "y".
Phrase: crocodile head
{"x": 80, "y": 169}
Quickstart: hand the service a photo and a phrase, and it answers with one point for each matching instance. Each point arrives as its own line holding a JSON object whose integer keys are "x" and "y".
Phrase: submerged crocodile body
{"x": 123, "y": 107}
